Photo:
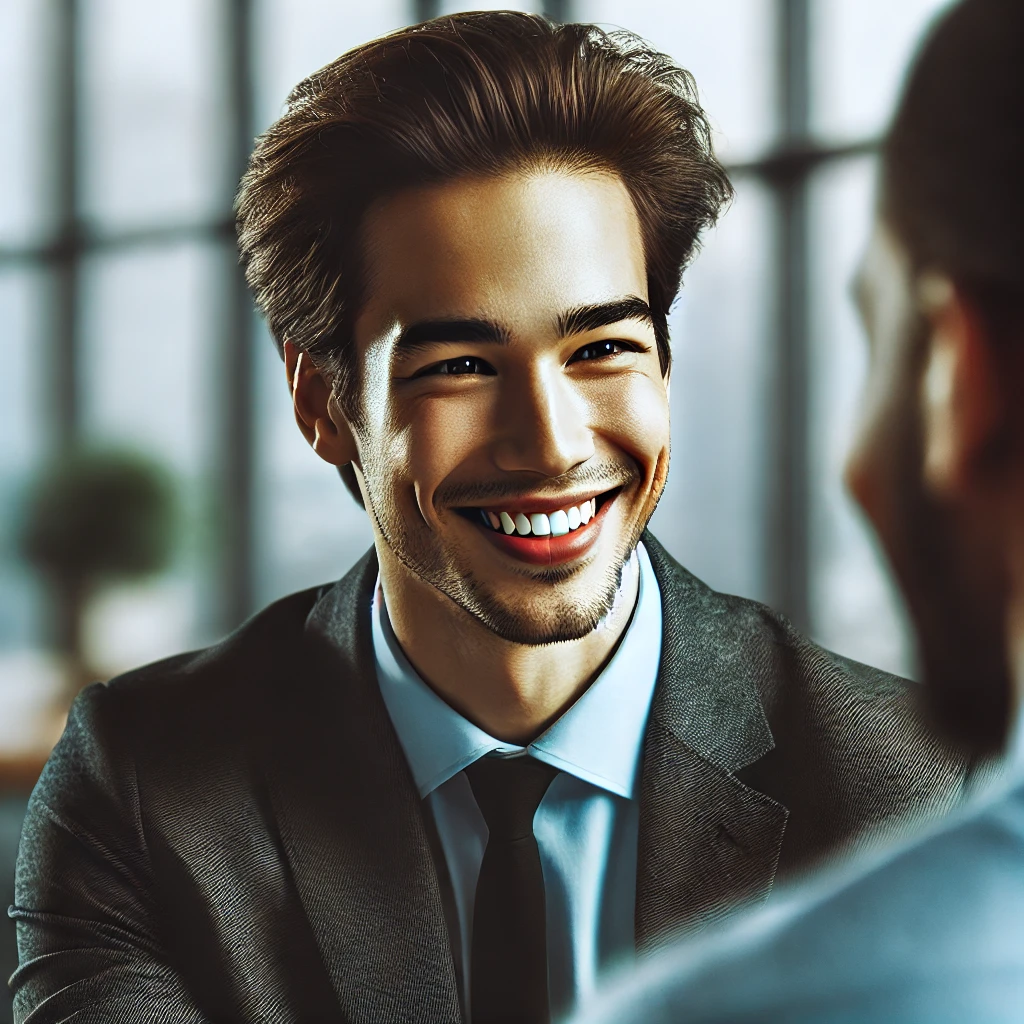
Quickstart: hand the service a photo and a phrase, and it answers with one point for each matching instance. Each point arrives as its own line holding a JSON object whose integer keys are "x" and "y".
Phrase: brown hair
{"x": 469, "y": 94}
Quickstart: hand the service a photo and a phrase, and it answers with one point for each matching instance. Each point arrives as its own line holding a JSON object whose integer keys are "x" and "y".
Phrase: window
{"x": 126, "y": 323}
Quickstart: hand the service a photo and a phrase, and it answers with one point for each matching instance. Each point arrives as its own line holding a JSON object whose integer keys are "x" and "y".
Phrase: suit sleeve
{"x": 89, "y": 943}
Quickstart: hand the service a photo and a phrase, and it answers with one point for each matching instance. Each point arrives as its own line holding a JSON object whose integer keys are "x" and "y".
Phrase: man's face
{"x": 511, "y": 381}
{"x": 939, "y": 555}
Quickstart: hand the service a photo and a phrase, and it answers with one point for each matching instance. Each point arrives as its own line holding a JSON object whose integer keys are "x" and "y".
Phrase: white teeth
{"x": 542, "y": 524}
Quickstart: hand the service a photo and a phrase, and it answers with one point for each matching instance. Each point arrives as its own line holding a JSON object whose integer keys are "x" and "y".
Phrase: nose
{"x": 544, "y": 425}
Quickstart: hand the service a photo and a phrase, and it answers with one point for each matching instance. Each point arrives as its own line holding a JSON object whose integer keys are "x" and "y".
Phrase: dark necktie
{"x": 509, "y": 958}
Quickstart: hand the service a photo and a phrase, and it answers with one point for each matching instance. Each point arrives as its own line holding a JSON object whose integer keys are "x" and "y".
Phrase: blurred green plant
{"x": 91, "y": 518}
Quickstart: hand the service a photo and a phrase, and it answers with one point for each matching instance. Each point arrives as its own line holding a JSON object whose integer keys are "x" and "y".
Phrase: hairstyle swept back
{"x": 466, "y": 95}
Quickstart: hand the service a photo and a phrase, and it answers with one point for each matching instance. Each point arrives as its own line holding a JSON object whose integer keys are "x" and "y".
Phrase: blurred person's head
{"x": 939, "y": 464}
{"x": 465, "y": 237}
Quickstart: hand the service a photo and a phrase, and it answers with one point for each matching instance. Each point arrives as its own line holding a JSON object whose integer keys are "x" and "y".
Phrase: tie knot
{"x": 508, "y": 792}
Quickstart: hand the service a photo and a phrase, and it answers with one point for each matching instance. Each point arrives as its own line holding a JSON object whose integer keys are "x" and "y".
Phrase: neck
{"x": 512, "y": 691}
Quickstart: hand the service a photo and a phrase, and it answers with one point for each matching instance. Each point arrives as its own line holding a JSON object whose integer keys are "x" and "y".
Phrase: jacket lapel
{"x": 708, "y": 843}
{"x": 352, "y": 826}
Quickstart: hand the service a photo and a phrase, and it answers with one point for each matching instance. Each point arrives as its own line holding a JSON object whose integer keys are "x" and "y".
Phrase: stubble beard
{"x": 558, "y": 615}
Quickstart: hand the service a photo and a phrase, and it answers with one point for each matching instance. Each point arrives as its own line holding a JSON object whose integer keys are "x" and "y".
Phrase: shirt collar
{"x": 598, "y": 739}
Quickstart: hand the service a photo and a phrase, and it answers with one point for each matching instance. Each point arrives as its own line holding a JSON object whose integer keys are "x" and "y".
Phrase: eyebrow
{"x": 578, "y": 320}
{"x": 430, "y": 332}
{"x": 603, "y": 314}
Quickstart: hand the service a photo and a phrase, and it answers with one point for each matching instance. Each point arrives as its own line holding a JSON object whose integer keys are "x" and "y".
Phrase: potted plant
{"x": 93, "y": 517}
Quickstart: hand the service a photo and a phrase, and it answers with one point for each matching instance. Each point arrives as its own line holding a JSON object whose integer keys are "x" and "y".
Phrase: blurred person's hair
{"x": 476, "y": 94}
{"x": 953, "y": 159}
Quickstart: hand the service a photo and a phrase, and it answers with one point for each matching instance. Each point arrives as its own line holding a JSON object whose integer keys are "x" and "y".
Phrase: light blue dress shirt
{"x": 586, "y": 825}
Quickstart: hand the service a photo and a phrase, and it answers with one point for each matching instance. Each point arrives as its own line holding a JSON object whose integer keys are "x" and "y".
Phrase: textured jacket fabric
{"x": 234, "y": 834}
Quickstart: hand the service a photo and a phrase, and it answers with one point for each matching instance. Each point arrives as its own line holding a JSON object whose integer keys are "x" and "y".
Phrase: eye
{"x": 601, "y": 350}
{"x": 461, "y": 365}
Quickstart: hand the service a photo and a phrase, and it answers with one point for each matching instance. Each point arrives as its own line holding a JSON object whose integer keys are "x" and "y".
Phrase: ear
{"x": 961, "y": 398}
{"x": 317, "y": 413}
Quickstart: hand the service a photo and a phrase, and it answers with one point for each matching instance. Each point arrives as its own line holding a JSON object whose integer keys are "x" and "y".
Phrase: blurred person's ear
{"x": 317, "y": 412}
{"x": 963, "y": 399}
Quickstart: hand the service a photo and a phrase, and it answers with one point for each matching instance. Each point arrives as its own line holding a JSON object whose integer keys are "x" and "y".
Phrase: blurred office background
{"x": 125, "y": 328}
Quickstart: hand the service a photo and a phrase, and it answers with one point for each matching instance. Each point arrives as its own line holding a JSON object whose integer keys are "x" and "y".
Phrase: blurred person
{"x": 517, "y": 741}
{"x": 932, "y": 931}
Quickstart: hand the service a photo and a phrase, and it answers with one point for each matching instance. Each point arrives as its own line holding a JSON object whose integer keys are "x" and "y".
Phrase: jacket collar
{"x": 353, "y": 830}
{"x": 352, "y": 826}
{"x": 708, "y": 843}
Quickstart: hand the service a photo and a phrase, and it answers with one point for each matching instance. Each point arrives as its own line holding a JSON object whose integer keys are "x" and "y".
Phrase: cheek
{"x": 443, "y": 433}
{"x": 633, "y": 414}
{"x": 435, "y": 440}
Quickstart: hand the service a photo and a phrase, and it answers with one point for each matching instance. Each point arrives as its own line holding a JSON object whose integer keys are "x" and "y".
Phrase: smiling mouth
{"x": 561, "y": 533}
{"x": 557, "y": 522}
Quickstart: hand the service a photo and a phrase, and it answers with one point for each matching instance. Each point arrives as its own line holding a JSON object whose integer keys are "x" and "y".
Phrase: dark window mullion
{"x": 62, "y": 315}
{"x": 65, "y": 255}
{"x": 424, "y": 10}
{"x": 235, "y": 414}
{"x": 787, "y": 541}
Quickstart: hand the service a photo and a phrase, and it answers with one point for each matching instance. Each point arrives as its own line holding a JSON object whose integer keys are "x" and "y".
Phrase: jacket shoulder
{"x": 854, "y": 750}
{"x": 177, "y": 700}
{"x": 264, "y": 640}
{"x": 760, "y": 642}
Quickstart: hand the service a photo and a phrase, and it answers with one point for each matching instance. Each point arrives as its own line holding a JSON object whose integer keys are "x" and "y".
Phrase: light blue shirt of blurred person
{"x": 587, "y": 824}
{"x": 931, "y": 932}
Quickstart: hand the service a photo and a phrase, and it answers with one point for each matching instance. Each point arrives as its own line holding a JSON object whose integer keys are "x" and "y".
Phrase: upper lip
{"x": 529, "y": 504}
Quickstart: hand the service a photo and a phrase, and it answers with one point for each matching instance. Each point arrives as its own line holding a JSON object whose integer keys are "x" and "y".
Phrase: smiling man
{"x": 517, "y": 742}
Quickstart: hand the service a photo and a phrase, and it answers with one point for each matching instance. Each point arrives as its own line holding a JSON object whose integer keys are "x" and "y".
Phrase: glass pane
{"x": 147, "y": 361}
{"x": 855, "y": 607}
{"x": 308, "y": 529}
{"x": 148, "y": 368}
{"x": 22, "y": 401}
{"x": 150, "y": 134}
{"x": 25, "y": 37}
{"x": 295, "y": 37}
{"x": 729, "y": 46}
{"x": 860, "y": 51}
{"x": 711, "y": 514}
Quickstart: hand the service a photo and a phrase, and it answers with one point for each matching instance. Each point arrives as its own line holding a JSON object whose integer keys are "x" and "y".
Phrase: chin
{"x": 572, "y": 605}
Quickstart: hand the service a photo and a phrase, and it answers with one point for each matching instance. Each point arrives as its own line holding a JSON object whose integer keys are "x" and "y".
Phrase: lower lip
{"x": 549, "y": 550}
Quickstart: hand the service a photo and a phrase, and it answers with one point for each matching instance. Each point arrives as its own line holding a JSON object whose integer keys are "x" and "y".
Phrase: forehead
{"x": 521, "y": 248}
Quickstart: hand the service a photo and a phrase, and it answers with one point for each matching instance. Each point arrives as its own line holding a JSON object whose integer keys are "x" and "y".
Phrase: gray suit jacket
{"x": 930, "y": 933}
{"x": 234, "y": 834}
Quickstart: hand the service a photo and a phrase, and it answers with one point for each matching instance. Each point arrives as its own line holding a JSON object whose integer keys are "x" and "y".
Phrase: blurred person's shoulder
{"x": 928, "y": 929}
